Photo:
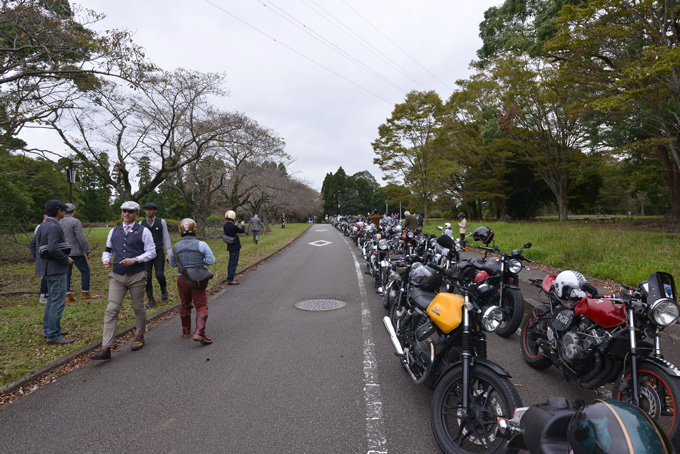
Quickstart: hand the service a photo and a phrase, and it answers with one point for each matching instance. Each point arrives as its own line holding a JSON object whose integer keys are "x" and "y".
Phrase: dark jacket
{"x": 230, "y": 229}
{"x": 51, "y": 234}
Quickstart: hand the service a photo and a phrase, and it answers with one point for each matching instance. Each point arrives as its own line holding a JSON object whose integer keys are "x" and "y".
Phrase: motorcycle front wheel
{"x": 513, "y": 310}
{"x": 659, "y": 397}
{"x": 491, "y": 397}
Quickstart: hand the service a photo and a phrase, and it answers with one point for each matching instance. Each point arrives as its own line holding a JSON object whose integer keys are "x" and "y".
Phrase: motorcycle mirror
{"x": 527, "y": 246}
{"x": 446, "y": 241}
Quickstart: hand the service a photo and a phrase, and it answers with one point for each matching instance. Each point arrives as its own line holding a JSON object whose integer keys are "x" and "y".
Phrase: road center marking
{"x": 321, "y": 243}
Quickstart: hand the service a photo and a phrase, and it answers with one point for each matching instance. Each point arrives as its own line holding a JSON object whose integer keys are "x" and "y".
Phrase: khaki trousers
{"x": 119, "y": 284}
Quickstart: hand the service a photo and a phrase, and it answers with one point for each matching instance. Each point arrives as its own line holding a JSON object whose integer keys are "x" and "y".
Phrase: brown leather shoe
{"x": 69, "y": 298}
{"x": 138, "y": 344}
{"x": 89, "y": 296}
{"x": 103, "y": 355}
{"x": 233, "y": 283}
{"x": 60, "y": 341}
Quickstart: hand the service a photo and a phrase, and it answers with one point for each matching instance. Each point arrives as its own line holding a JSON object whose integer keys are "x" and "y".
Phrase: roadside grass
{"x": 23, "y": 347}
{"x": 603, "y": 251}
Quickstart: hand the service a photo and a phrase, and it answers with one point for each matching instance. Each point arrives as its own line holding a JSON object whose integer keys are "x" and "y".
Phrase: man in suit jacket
{"x": 53, "y": 266}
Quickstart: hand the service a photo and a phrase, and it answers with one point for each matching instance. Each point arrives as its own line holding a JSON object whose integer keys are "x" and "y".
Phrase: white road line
{"x": 375, "y": 431}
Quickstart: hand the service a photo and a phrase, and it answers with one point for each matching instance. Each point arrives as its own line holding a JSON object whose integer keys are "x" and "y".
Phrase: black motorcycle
{"x": 441, "y": 342}
{"x": 498, "y": 278}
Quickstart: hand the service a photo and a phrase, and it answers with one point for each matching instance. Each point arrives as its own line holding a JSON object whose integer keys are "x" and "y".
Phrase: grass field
{"x": 23, "y": 348}
{"x": 603, "y": 251}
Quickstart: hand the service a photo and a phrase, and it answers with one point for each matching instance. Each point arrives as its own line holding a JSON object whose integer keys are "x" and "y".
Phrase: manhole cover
{"x": 320, "y": 305}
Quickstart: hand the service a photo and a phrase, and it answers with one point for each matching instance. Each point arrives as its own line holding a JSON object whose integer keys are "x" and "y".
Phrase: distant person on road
{"x": 232, "y": 230}
{"x": 192, "y": 253}
{"x": 128, "y": 247}
{"x": 255, "y": 226}
{"x": 410, "y": 221}
{"x": 161, "y": 238}
{"x": 80, "y": 253}
{"x": 462, "y": 228}
{"x": 52, "y": 265}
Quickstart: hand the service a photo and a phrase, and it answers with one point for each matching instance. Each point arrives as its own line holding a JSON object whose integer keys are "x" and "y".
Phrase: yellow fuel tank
{"x": 446, "y": 311}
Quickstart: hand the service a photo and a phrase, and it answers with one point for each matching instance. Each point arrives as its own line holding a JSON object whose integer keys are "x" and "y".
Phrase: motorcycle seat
{"x": 421, "y": 298}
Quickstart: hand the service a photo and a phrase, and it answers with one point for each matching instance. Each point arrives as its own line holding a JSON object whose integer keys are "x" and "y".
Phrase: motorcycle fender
{"x": 668, "y": 367}
{"x": 479, "y": 362}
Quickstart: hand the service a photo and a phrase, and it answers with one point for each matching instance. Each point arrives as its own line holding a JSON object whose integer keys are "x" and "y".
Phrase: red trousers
{"x": 198, "y": 298}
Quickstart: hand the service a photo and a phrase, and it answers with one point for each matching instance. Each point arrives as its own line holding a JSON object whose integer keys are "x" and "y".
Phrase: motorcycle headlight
{"x": 410, "y": 234}
{"x": 492, "y": 317}
{"x": 514, "y": 266}
{"x": 382, "y": 244}
{"x": 664, "y": 312}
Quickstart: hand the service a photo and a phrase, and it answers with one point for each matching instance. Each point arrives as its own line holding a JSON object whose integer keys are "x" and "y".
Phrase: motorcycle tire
{"x": 513, "y": 310}
{"x": 534, "y": 327}
{"x": 658, "y": 390}
{"x": 491, "y": 397}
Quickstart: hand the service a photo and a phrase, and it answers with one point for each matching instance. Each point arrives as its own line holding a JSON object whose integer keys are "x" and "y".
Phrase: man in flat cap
{"x": 128, "y": 247}
{"x": 161, "y": 238}
{"x": 52, "y": 264}
{"x": 80, "y": 253}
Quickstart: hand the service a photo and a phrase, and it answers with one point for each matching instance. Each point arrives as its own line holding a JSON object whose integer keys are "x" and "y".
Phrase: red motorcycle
{"x": 596, "y": 339}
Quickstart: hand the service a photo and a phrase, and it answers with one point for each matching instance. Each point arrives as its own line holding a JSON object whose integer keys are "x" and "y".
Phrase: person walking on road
{"x": 161, "y": 238}
{"x": 283, "y": 221}
{"x": 255, "y": 226}
{"x": 462, "y": 228}
{"x": 231, "y": 230}
{"x": 52, "y": 264}
{"x": 80, "y": 253}
{"x": 128, "y": 247}
{"x": 191, "y": 253}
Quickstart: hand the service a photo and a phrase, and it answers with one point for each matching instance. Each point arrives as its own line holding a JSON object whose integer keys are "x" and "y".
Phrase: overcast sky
{"x": 323, "y": 74}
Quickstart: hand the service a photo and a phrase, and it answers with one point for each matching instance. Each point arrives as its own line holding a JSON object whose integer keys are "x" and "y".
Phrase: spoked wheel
{"x": 513, "y": 309}
{"x": 659, "y": 397}
{"x": 491, "y": 397}
{"x": 535, "y": 330}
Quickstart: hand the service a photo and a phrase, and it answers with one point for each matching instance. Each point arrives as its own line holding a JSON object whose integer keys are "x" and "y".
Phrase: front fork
{"x": 466, "y": 356}
{"x": 633, "y": 359}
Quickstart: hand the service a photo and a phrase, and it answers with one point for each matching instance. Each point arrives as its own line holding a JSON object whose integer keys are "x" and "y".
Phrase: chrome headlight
{"x": 382, "y": 244}
{"x": 664, "y": 312}
{"x": 410, "y": 234}
{"x": 492, "y": 318}
{"x": 514, "y": 266}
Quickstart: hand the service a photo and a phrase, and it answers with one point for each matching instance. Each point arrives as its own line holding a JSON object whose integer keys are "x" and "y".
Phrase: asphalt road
{"x": 277, "y": 379}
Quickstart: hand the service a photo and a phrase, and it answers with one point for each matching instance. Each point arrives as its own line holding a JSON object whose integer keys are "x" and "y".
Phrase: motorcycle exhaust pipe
{"x": 393, "y": 336}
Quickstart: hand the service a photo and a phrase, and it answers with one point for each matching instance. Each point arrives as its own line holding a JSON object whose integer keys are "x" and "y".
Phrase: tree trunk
{"x": 671, "y": 174}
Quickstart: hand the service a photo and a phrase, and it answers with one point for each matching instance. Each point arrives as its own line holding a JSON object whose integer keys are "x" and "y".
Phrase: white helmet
{"x": 230, "y": 215}
{"x": 447, "y": 225}
{"x": 568, "y": 284}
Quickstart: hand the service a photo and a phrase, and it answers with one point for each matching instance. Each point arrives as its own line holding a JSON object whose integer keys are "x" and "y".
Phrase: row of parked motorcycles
{"x": 440, "y": 309}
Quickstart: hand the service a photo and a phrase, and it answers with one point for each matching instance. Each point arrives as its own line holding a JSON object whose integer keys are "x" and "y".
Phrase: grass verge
{"x": 23, "y": 348}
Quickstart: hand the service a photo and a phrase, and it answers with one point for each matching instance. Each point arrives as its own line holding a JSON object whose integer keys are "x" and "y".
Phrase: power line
{"x": 297, "y": 52}
{"x": 363, "y": 42}
{"x": 397, "y": 45}
{"x": 329, "y": 44}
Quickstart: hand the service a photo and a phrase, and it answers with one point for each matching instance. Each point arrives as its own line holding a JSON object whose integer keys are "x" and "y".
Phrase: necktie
{"x": 126, "y": 229}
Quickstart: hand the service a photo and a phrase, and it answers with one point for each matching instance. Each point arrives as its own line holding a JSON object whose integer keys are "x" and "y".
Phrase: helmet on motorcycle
{"x": 612, "y": 426}
{"x": 425, "y": 278}
{"x": 568, "y": 281}
{"x": 447, "y": 225}
{"x": 461, "y": 215}
{"x": 397, "y": 229}
{"x": 483, "y": 234}
{"x": 187, "y": 226}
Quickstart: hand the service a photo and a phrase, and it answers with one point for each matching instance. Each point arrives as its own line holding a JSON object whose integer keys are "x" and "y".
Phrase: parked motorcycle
{"x": 603, "y": 426}
{"x": 441, "y": 342}
{"x": 498, "y": 278}
{"x": 595, "y": 339}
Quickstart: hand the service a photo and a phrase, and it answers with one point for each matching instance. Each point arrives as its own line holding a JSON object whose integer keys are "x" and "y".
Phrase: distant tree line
{"x": 136, "y": 131}
{"x": 574, "y": 106}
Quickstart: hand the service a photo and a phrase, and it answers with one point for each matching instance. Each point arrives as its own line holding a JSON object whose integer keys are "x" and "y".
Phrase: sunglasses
{"x": 125, "y": 210}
